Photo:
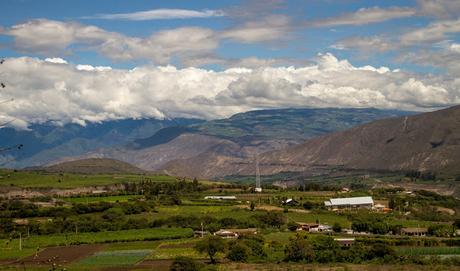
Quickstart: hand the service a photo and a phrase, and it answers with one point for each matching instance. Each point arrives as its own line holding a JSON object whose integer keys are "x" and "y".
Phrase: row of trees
{"x": 252, "y": 248}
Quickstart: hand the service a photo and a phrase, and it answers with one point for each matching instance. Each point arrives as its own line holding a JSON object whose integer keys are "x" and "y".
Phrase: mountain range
{"x": 165, "y": 145}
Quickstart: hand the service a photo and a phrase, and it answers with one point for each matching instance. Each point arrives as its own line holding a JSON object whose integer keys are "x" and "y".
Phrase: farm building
{"x": 221, "y": 197}
{"x": 313, "y": 227}
{"x": 345, "y": 242}
{"x": 414, "y": 231}
{"x": 290, "y": 202}
{"x": 344, "y": 203}
{"x": 234, "y": 233}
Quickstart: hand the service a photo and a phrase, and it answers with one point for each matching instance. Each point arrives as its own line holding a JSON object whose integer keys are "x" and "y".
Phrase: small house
{"x": 345, "y": 242}
{"x": 290, "y": 202}
{"x": 420, "y": 232}
{"x": 306, "y": 226}
{"x": 226, "y": 234}
{"x": 235, "y": 233}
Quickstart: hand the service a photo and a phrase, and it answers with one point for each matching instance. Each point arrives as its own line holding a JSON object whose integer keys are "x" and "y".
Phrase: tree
{"x": 292, "y": 226}
{"x": 272, "y": 219}
{"x": 184, "y": 264}
{"x": 308, "y": 205}
{"x": 381, "y": 250}
{"x": 238, "y": 252}
{"x": 211, "y": 245}
{"x": 299, "y": 249}
{"x": 326, "y": 249}
{"x": 457, "y": 223}
{"x": 336, "y": 227}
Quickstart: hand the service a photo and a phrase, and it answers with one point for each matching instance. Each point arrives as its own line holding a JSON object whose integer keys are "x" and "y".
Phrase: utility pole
{"x": 202, "y": 230}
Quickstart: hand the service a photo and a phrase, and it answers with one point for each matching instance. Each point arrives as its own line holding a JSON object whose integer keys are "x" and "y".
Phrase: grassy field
{"x": 41, "y": 179}
{"x": 35, "y": 242}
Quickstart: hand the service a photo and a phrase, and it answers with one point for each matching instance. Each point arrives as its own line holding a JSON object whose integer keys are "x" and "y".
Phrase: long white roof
{"x": 352, "y": 201}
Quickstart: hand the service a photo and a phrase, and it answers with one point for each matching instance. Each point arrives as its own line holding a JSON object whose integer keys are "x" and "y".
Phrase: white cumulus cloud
{"x": 160, "y": 14}
{"x": 46, "y": 91}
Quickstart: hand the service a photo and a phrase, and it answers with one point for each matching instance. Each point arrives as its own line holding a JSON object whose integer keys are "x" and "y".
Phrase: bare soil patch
{"x": 158, "y": 265}
{"x": 61, "y": 255}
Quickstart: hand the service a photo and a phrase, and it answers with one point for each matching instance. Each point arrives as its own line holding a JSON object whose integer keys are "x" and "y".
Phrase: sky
{"x": 91, "y": 61}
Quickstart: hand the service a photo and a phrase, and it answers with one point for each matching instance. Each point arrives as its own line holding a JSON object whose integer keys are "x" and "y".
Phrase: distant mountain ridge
{"x": 207, "y": 148}
{"x": 48, "y": 142}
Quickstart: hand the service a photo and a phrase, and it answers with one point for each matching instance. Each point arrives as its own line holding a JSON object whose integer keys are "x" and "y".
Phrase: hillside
{"x": 95, "y": 166}
{"x": 424, "y": 142}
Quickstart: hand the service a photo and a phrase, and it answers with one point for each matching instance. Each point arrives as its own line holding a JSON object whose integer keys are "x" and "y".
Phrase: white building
{"x": 344, "y": 203}
{"x": 221, "y": 197}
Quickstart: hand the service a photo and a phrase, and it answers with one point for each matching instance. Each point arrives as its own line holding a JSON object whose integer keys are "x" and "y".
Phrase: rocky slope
{"x": 424, "y": 142}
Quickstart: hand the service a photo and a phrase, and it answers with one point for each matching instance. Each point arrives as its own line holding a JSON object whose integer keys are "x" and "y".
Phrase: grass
{"x": 31, "y": 179}
{"x": 114, "y": 258}
{"x": 281, "y": 237}
{"x": 15, "y": 253}
{"x": 417, "y": 251}
{"x": 121, "y": 198}
{"x": 41, "y": 241}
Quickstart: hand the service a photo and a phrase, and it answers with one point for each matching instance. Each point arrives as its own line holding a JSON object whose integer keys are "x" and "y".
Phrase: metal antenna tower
{"x": 258, "y": 187}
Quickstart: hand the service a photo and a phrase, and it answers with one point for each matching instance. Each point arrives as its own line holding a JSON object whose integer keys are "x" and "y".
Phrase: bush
{"x": 185, "y": 264}
{"x": 299, "y": 249}
{"x": 336, "y": 227}
{"x": 255, "y": 244}
{"x": 238, "y": 252}
{"x": 292, "y": 226}
{"x": 381, "y": 251}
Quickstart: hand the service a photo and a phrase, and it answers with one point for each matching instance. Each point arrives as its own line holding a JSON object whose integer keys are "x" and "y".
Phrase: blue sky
{"x": 304, "y": 44}
{"x": 228, "y": 56}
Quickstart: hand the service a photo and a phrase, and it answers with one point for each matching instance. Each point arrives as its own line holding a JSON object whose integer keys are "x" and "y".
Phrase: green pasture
{"x": 32, "y": 179}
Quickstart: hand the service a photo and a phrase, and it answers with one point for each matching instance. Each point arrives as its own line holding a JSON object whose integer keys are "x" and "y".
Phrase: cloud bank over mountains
{"x": 54, "y": 90}
{"x": 196, "y": 61}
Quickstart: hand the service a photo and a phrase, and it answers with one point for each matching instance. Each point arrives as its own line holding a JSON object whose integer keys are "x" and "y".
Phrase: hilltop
{"x": 95, "y": 166}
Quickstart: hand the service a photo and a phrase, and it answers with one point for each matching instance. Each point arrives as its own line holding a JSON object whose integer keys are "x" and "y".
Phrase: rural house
{"x": 414, "y": 231}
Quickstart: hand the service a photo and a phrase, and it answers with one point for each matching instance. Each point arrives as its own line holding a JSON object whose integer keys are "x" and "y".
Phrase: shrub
{"x": 292, "y": 226}
{"x": 336, "y": 227}
{"x": 184, "y": 264}
{"x": 299, "y": 250}
{"x": 238, "y": 252}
